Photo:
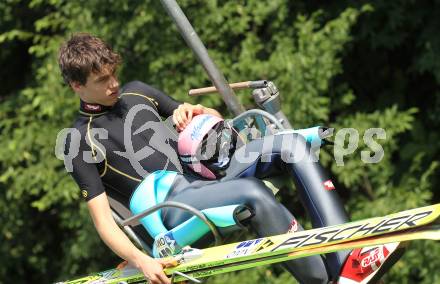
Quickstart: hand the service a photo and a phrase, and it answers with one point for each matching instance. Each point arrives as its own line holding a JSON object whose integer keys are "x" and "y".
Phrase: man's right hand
{"x": 153, "y": 270}
{"x": 113, "y": 236}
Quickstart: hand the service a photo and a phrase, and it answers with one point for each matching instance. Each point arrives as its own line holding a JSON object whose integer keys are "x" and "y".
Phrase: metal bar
{"x": 209, "y": 90}
{"x": 234, "y": 86}
{"x": 192, "y": 279}
{"x": 194, "y": 42}
{"x": 253, "y": 112}
{"x": 132, "y": 234}
{"x": 134, "y": 220}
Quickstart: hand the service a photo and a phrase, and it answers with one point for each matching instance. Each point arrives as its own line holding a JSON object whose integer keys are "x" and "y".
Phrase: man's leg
{"x": 290, "y": 153}
{"x": 270, "y": 217}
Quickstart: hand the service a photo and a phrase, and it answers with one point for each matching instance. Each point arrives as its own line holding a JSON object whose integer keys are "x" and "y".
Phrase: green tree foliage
{"x": 347, "y": 67}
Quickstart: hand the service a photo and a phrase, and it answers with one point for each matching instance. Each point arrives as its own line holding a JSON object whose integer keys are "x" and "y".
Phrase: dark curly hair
{"x": 82, "y": 54}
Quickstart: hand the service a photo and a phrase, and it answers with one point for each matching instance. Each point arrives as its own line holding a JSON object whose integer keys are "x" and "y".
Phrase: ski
{"x": 395, "y": 227}
{"x": 427, "y": 232}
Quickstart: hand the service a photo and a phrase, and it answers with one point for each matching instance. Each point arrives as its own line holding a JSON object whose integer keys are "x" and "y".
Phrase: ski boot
{"x": 368, "y": 264}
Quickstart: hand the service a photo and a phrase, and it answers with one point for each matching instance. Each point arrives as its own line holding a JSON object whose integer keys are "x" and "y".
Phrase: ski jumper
{"x": 111, "y": 166}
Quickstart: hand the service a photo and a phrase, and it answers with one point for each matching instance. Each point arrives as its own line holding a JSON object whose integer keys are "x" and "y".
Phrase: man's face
{"x": 101, "y": 88}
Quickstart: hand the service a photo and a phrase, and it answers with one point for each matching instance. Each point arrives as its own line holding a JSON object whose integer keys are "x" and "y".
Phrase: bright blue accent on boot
{"x": 221, "y": 216}
{"x": 310, "y": 134}
{"x": 151, "y": 191}
{"x": 194, "y": 228}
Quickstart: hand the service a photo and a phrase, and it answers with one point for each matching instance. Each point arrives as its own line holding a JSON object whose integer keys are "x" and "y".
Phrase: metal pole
{"x": 194, "y": 42}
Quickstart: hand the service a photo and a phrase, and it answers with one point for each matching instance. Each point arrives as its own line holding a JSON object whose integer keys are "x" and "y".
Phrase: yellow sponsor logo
{"x": 84, "y": 193}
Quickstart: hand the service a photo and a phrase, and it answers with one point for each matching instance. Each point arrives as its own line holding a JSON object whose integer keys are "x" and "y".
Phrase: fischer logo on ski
{"x": 336, "y": 233}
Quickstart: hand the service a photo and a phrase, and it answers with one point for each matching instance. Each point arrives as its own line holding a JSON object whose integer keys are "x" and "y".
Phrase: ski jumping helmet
{"x": 206, "y": 145}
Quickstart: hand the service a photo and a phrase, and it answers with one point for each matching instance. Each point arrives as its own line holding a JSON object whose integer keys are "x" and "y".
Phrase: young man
{"x": 119, "y": 138}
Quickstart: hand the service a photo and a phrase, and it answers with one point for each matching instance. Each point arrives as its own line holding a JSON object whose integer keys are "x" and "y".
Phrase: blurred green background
{"x": 336, "y": 63}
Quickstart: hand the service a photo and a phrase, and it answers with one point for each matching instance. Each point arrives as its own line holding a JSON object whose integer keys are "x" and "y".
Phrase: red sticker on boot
{"x": 293, "y": 227}
{"x": 328, "y": 185}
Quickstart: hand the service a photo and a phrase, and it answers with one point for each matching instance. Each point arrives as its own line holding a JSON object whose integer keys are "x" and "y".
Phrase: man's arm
{"x": 113, "y": 236}
{"x": 164, "y": 103}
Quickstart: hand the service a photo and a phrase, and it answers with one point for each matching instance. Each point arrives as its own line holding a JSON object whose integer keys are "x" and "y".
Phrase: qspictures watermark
{"x": 288, "y": 144}
{"x": 372, "y": 156}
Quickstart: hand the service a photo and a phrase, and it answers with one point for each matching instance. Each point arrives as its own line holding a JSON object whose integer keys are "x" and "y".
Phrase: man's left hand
{"x": 184, "y": 113}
